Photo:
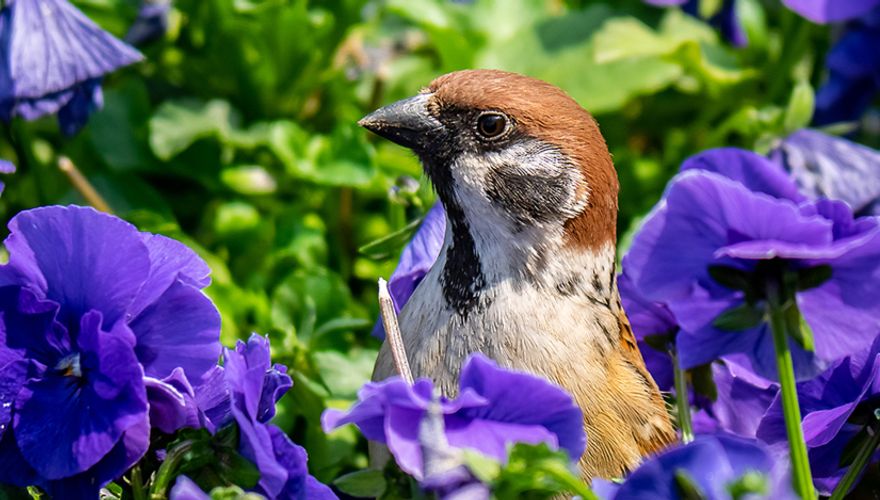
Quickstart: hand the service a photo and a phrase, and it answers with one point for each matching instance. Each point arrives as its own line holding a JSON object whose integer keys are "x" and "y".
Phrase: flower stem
{"x": 137, "y": 484}
{"x": 803, "y": 479}
{"x": 681, "y": 399}
{"x": 167, "y": 469}
{"x": 861, "y": 461}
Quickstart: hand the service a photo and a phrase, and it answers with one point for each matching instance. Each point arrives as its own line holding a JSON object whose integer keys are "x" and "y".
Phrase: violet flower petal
{"x": 86, "y": 412}
{"x": 73, "y": 256}
{"x": 829, "y": 11}
{"x": 180, "y": 329}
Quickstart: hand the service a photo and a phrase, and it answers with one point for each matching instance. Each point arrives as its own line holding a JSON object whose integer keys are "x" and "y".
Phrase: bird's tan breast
{"x": 569, "y": 340}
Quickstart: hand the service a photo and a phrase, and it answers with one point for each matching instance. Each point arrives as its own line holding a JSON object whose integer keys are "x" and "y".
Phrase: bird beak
{"x": 406, "y": 122}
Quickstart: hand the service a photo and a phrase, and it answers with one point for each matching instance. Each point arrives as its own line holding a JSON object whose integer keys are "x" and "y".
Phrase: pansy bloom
{"x": 731, "y": 226}
{"x": 253, "y": 385}
{"x": 710, "y": 467}
{"x": 835, "y": 406}
{"x": 853, "y": 68}
{"x": 52, "y": 60}
{"x": 93, "y": 313}
{"x": 494, "y": 409}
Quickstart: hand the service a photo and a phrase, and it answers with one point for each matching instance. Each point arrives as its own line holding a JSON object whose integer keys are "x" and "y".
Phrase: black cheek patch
{"x": 529, "y": 198}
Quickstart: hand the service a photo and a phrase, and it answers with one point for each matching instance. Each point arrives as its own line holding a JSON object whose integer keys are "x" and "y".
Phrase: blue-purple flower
{"x": 253, "y": 386}
{"x": 829, "y": 11}
{"x": 710, "y": 467}
{"x": 52, "y": 60}
{"x": 93, "y": 312}
{"x": 825, "y": 166}
{"x": 835, "y": 407}
{"x": 151, "y": 22}
{"x": 494, "y": 409}
{"x": 730, "y": 226}
{"x": 853, "y": 69}
{"x": 417, "y": 258}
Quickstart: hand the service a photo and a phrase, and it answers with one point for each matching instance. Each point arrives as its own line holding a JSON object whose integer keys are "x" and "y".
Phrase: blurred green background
{"x": 237, "y": 135}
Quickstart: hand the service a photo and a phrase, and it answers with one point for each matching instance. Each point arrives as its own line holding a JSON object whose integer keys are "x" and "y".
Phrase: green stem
{"x": 137, "y": 484}
{"x": 803, "y": 479}
{"x": 681, "y": 399}
{"x": 861, "y": 461}
{"x": 167, "y": 469}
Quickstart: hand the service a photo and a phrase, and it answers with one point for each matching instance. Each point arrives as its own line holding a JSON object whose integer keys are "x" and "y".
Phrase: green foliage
{"x": 238, "y": 136}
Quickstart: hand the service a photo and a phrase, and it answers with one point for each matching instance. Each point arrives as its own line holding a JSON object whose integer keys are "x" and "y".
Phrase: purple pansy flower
{"x": 254, "y": 385}
{"x": 725, "y": 20}
{"x": 853, "y": 70}
{"x": 151, "y": 22}
{"x": 6, "y": 167}
{"x": 93, "y": 312}
{"x": 52, "y": 59}
{"x": 829, "y": 11}
{"x": 711, "y": 465}
{"x": 494, "y": 409}
{"x": 741, "y": 396}
{"x": 835, "y": 407}
{"x": 824, "y": 166}
{"x": 415, "y": 261}
{"x": 736, "y": 211}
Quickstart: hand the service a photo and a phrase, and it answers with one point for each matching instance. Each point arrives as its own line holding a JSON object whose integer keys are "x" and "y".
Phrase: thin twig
{"x": 392, "y": 332}
{"x": 82, "y": 185}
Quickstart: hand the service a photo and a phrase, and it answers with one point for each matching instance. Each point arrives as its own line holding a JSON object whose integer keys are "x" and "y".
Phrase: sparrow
{"x": 526, "y": 274}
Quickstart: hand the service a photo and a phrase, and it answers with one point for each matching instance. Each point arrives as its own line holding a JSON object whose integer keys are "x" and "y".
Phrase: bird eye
{"x": 491, "y": 125}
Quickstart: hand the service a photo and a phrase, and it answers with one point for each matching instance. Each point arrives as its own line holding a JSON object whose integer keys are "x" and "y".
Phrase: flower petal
{"x": 749, "y": 169}
{"x": 829, "y": 11}
{"x": 523, "y": 400}
{"x": 80, "y": 258}
{"x": 83, "y": 416}
{"x": 53, "y": 46}
{"x": 180, "y": 329}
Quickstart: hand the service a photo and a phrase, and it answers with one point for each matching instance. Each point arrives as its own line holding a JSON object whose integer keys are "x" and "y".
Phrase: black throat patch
{"x": 462, "y": 279}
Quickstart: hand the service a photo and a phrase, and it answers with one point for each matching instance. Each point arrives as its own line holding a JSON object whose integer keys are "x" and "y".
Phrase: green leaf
{"x": 688, "y": 489}
{"x": 178, "y": 124}
{"x": 536, "y": 471}
{"x": 703, "y": 381}
{"x": 731, "y": 277}
{"x": 483, "y": 468}
{"x": 233, "y": 493}
{"x": 345, "y": 373}
{"x": 812, "y": 277}
{"x": 367, "y": 483}
{"x": 9, "y": 492}
{"x": 739, "y": 318}
{"x": 799, "y": 111}
{"x": 389, "y": 245}
{"x": 749, "y": 485}
{"x": 249, "y": 179}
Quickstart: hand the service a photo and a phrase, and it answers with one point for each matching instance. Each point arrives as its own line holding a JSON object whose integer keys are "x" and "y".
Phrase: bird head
{"x": 513, "y": 153}
{"x": 526, "y": 179}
